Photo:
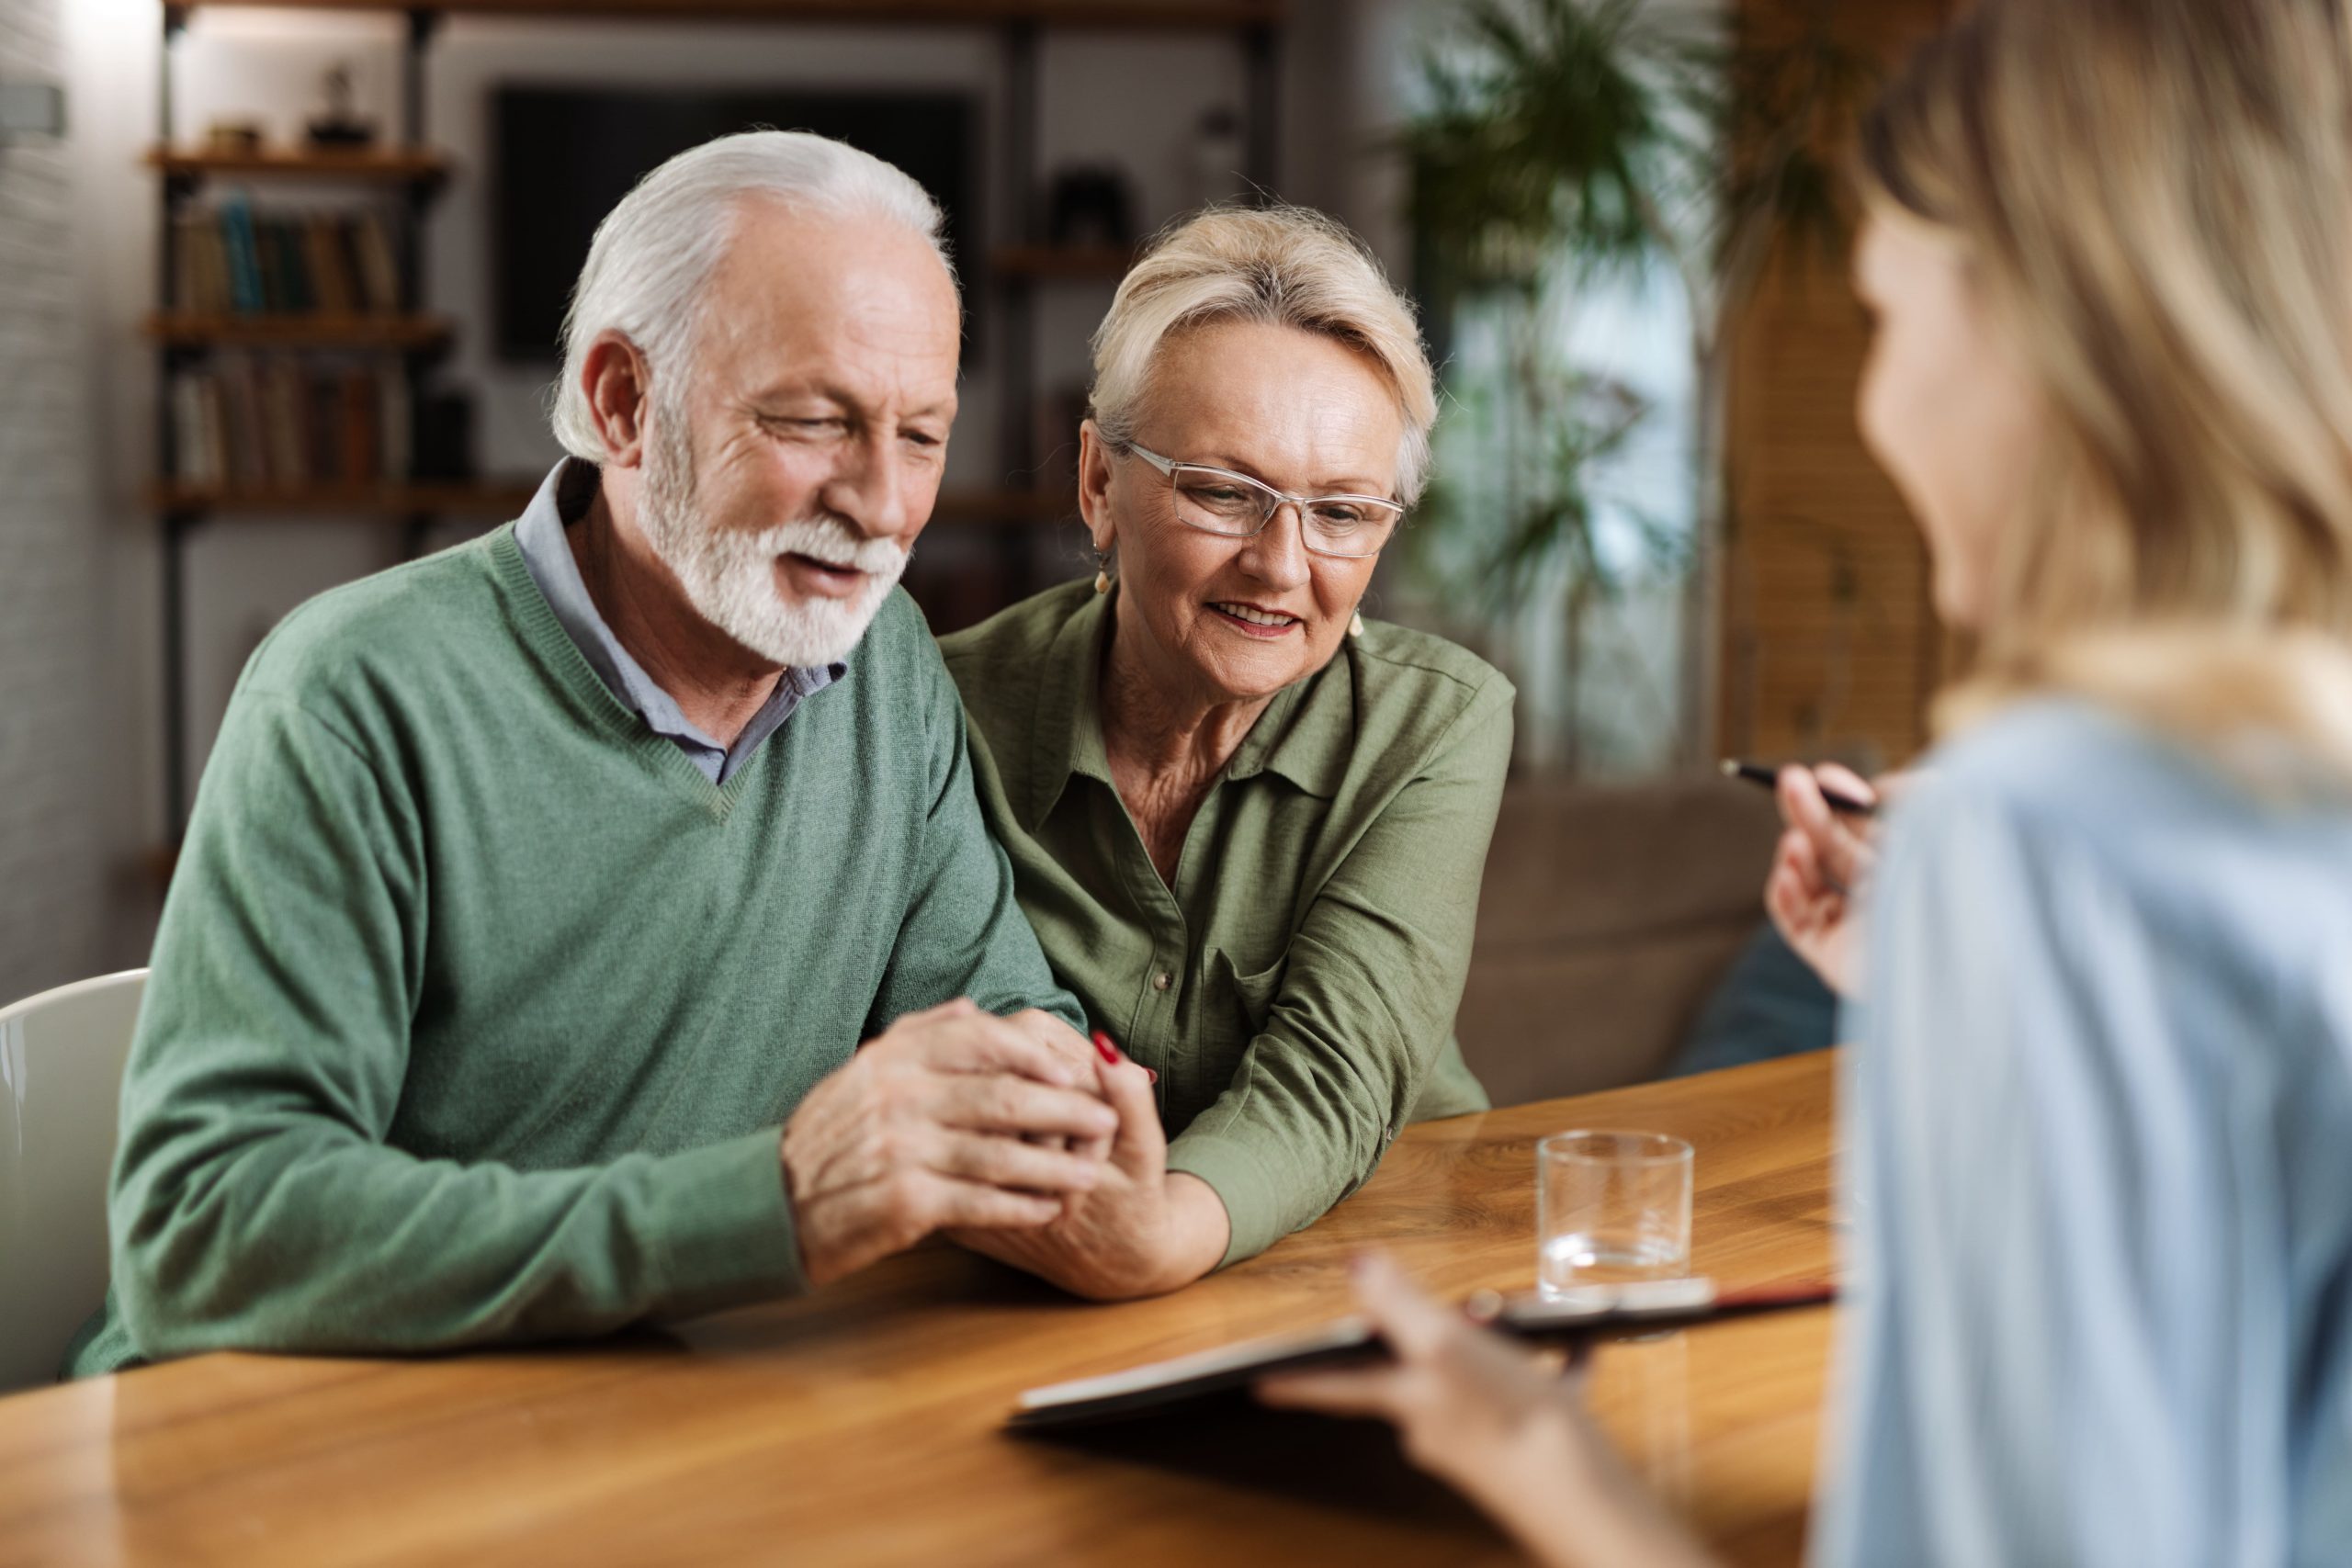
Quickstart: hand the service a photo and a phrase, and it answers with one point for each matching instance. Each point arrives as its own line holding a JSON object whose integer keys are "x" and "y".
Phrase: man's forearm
{"x": 304, "y": 1239}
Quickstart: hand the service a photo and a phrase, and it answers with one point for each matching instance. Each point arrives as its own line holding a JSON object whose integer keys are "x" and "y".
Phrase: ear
{"x": 613, "y": 378}
{"x": 1094, "y": 456}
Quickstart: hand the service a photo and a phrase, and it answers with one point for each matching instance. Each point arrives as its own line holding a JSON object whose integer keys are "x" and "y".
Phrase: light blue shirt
{"x": 2101, "y": 1117}
{"x": 563, "y": 497}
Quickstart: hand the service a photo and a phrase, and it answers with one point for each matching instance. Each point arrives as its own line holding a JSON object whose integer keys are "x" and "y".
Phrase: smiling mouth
{"x": 812, "y": 575}
{"x": 1259, "y": 623}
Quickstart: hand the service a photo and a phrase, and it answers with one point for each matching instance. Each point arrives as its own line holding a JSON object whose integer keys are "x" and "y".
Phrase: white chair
{"x": 62, "y": 1054}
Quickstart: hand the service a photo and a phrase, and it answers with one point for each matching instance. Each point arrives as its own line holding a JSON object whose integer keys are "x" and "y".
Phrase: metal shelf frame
{"x": 414, "y": 170}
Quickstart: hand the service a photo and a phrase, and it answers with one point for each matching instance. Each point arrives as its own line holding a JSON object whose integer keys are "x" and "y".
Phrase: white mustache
{"x": 833, "y": 542}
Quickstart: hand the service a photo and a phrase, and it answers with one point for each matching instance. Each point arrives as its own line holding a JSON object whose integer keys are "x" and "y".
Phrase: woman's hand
{"x": 1819, "y": 870}
{"x": 1498, "y": 1424}
{"x": 1140, "y": 1229}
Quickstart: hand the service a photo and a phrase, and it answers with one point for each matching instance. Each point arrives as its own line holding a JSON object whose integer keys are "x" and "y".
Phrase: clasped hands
{"x": 1015, "y": 1136}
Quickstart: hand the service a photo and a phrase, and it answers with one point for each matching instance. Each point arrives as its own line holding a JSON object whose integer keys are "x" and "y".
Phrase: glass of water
{"x": 1610, "y": 1207}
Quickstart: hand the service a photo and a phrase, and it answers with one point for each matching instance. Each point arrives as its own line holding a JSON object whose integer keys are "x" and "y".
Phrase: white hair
{"x": 655, "y": 251}
{"x": 1279, "y": 266}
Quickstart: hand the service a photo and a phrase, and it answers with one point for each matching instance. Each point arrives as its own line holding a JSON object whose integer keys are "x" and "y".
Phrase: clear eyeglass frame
{"x": 1380, "y": 518}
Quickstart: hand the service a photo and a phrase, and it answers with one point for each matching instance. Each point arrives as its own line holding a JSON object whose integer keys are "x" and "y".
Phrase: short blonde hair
{"x": 2158, "y": 198}
{"x": 1279, "y": 266}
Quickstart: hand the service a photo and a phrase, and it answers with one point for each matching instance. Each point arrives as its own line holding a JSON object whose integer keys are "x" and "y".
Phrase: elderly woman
{"x": 1248, "y": 824}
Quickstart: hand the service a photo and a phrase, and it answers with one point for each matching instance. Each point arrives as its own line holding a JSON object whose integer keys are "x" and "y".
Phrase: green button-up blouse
{"x": 1295, "y": 987}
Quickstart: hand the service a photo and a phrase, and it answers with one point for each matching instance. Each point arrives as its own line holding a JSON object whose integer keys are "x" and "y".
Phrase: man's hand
{"x": 1818, "y": 870}
{"x": 1076, "y": 1049}
{"x": 1139, "y": 1231}
{"x": 950, "y": 1117}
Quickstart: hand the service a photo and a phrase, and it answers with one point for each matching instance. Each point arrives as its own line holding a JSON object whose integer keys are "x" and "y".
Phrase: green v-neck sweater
{"x": 476, "y": 1010}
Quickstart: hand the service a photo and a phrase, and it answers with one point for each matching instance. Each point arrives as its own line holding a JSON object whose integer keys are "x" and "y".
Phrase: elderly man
{"x": 539, "y": 893}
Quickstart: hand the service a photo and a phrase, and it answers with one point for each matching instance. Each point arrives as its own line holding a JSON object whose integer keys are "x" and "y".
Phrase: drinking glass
{"x": 1610, "y": 1207}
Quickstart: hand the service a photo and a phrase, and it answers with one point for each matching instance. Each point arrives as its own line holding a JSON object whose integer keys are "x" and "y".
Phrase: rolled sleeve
{"x": 1367, "y": 1001}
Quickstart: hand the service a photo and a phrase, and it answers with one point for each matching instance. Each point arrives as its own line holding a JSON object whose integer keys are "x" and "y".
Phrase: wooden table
{"x": 860, "y": 1425}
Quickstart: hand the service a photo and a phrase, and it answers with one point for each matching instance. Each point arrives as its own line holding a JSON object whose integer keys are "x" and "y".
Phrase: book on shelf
{"x": 257, "y": 423}
{"x": 230, "y": 260}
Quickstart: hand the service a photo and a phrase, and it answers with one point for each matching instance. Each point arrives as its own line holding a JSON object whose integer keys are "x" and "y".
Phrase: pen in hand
{"x": 1755, "y": 773}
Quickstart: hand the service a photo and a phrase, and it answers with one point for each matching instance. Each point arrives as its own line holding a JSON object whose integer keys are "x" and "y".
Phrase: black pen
{"x": 1755, "y": 773}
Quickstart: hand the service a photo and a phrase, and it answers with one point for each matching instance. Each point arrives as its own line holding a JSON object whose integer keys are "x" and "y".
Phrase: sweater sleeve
{"x": 1367, "y": 998}
{"x": 256, "y": 1203}
{"x": 963, "y": 934}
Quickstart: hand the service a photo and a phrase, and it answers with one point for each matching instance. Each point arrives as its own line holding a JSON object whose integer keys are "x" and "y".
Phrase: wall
{"x": 53, "y": 756}
{"x": 1129, "y": 96}
{"x": 1829, "y": 641}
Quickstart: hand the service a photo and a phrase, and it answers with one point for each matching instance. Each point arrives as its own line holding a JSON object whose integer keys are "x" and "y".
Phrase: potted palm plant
{"x": 1565, "y": 150}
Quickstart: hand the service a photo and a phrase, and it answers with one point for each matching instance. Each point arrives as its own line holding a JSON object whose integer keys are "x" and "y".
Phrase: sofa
{"x": 1608, "y": 914}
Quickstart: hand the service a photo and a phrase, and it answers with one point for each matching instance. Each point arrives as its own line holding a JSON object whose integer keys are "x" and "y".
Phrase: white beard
{"x": 729, "y": 576}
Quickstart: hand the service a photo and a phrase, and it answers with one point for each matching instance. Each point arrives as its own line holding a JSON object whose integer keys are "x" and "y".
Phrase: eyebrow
{"x": 1364, "y": 488}
{"x": 782, "y": 392}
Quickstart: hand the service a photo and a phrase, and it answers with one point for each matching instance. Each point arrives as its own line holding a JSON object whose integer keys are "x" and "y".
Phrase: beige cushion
{"x": 1608, "y": 914}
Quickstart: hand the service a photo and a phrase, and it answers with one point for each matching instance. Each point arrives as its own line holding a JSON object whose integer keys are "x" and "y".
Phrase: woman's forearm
{"x": 1567, "y": 1496}
{"x": 1198, "y": 1229}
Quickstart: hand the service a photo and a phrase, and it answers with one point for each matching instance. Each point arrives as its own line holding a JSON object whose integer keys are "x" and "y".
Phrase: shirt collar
{"x": 1304, "y": 736}
{"x": 564, "y": 498}
{"x": 1069, "y": 727}
{"x": 1307, "y": 732}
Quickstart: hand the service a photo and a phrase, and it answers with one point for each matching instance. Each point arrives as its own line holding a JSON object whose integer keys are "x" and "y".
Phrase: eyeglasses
{"x": 1217, "y": 501}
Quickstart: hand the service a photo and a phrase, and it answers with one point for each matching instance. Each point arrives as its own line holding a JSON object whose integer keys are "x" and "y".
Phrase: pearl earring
{"x": 1355, "y": 627}
{"x": 1103, "y": 580}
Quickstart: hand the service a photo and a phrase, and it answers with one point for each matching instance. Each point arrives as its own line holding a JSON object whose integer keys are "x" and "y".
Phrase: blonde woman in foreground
{"x": 2102, "y": 1106}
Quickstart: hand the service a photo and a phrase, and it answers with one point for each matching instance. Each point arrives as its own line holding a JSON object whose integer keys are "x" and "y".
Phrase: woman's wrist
{"x": 1537, "y": 1480}
{"x": 1570, "y": 1498}
{"x": 1198, "y": 1229}
{"x": 1189, "y": 1240}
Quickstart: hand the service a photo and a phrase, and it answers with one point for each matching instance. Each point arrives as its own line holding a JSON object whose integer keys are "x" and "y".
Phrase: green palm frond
{"x": 1564, "y": 141}
{"x": 1542, "y": 136}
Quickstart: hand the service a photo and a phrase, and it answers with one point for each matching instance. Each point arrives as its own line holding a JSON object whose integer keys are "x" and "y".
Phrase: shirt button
{"x": 1162, "y": 980}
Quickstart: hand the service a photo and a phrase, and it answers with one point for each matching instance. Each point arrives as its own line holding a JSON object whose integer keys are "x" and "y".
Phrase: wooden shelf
{"x": 183, "y": 330}
{"x": 1004, "y": 508}
{"x": 392, "y": 166}
{"x": 503, "y": 499}
{"x": 1009, "y": 525}
{"x": 1107, "y": 263}
{"x": 500, "y": 498}
{"x": 1177, "y": 16}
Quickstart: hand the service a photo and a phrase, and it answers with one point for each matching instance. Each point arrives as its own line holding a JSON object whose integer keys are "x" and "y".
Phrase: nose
{"x": 870, "y": 489}
{"x": 1276, "y": 555}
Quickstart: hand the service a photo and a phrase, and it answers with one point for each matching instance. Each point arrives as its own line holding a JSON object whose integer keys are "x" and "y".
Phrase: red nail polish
{"x": 1150, "y": 1077}
{"x": 1110, "y": 1052}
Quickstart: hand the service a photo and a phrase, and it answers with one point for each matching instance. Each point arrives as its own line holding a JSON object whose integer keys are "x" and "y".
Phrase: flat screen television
{"x": 564, "y": 156}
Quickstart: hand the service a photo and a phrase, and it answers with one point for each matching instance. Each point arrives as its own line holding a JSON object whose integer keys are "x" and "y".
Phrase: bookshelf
{"x": 289, "y": 347}
{"x": 395, "y": 165}
{"x": 499, "y": 500}
{"x": 402, "y": 499}
{"x": 182, "y": 329}
{"x": 403, "y": 178}
{"x": 1157, "y": 16}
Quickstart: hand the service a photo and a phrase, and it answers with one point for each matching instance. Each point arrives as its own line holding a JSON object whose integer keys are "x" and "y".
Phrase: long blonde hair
{"x": 2156, "y": 195}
